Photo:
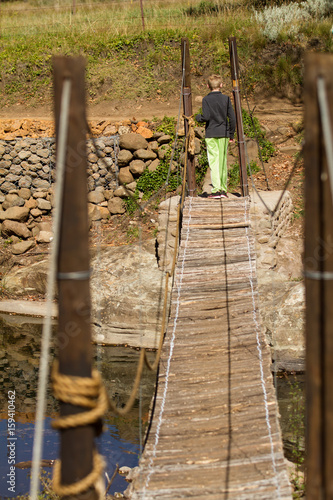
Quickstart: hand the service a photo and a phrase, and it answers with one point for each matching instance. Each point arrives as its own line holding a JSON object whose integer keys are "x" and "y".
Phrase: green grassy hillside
{"x": 125, "y": 61}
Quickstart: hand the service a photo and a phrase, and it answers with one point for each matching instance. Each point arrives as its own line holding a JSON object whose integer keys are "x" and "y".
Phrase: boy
{"x": 218, "y": 113}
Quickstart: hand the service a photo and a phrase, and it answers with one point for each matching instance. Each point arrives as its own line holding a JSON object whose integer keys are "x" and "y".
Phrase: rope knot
{"x": 90, "y": 393}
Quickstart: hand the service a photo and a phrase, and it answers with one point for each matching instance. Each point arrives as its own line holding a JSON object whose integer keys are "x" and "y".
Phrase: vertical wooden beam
{"x": 318, "y": 270}
{"x": 142, "y": 15}
{"x": 187, "y": 107}
{"x": 74, "y": 336}
{"x": 238, "y": 112}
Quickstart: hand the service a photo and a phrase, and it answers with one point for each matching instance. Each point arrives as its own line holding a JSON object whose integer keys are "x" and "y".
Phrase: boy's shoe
{"x": 224, "y": 194}
{"x": 218, "y": 194}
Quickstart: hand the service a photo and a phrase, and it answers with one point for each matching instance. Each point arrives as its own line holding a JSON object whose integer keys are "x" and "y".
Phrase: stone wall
{"x": 27, "y": 176}
{"x": 268, "y": 229}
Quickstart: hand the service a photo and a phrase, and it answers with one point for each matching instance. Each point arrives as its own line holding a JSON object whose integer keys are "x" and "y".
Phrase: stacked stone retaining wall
{"x": 28, "y": 174}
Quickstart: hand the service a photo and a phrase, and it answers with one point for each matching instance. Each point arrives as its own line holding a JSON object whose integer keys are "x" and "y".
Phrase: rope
{"x": 88, "y": 392}
{"x": 172, "y": 343}
{"x": 80, "y": 486}
{"x": 191, "y": 134}
{"x": 46, "y": 334}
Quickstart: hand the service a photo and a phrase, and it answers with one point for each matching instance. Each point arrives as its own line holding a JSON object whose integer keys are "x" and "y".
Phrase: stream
{"x": 122, "y": 439}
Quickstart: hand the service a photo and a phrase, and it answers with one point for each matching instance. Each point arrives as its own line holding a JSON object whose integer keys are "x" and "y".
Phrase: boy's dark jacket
{"x": 219, "y": 115}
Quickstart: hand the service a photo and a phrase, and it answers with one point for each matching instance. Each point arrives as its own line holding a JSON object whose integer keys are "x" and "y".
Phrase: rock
{"x": 44, "y": 237}
{"x": 282, "y": 309}
{"x": 15, "y": 213}
{"x": 12, "y": 200}
{"x": 108, "y": 194}
{"x": 137, "y": 167}
{"x": 116, "y": 206}
{"x": 31, "y": 203}
{"x": 145, "y": 154}
{"x": 43, "y": 204}
{"x": 153, "y": 165}
{"x": 164, "y": 139}
{"x": 121, "y": 192}
{"x": 199, "y": 132}
{"x": 126, "y": 282}
{"x": 124, "y": 157}
{"x": 96, "y": 197}
{"x": 197, "y": 146}
{"x": 24, "y": 154}
{"x": 110, "y": 130}
{"x": 131, "y": 187}
{"x": 132, "y": 142}
{"x": 40, "y": 184}
{"x": 29, "y": 278}
{"x": 10, "y": 227}
{"x": 21, "y": 247}
{"x": 123, "y": 129}
{"x": 35, "y": 212}
{"x": 144, "y": 132}
{"x": 45, "y": 226}
{"x": 25, "y": 182}
{"x": 125, "y": 176}
{"x": 24, "y": 193}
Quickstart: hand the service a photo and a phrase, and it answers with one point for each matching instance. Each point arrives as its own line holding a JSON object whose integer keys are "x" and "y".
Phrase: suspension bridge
{"x": 214, "y": 432}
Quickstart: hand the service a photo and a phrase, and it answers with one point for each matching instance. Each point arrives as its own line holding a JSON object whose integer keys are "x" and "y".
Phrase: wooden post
{"x": 187, "y": 108}
{"x": 142, "y": 15}
{"x": 74, "y": 337}
{"x": 318, "y": 270}
{"x": 238, "y": 112}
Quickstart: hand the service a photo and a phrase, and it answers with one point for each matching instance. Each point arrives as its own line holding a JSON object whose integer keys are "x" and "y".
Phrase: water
{"x": 120, "y": 442}
{"x": 19, "y": 359}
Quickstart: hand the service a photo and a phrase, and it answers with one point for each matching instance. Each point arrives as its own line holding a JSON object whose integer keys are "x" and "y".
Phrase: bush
{"x": 253, "y": 130}
{"x": 290, "y": 18}
{"x": 204, "y": 8}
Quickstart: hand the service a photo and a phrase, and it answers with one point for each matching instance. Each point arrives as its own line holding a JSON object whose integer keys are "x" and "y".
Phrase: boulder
{"x": 282, "y": 307}
{"x": 44, "y": 237}
{"x": 145, "y": 154}
{"x": 22, "y": 247}
{"x": 29, "y": 278}
{"x": 116, "y": 206}
{"x": 126, "y": 285}
{"x": 43, "y": 204}
{"x": 153, "y": 165}
{"x": 19, "y": 214}
{"x": 124, "y": 158}
{"x": 164, "y": 139}
{"x": 96, "y": 197}
{"x": 121, "y": 192}
{"x": 24, "y": 193}
{"x": 125, "y": 176}
{"x": 132, "y": 142}
{"x": 10, "y": 227}
{"x": 137, "y": 167}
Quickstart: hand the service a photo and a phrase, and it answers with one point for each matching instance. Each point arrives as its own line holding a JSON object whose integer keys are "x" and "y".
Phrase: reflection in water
{"x": 19, "y": 360}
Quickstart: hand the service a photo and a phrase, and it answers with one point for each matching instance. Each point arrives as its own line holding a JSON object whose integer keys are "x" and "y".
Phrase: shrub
{"x": 204, "y": 8}
{"x": 290, "y": 18}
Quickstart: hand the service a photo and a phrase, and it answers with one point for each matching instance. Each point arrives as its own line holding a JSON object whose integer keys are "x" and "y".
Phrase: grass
{"x": 119, "y": 52}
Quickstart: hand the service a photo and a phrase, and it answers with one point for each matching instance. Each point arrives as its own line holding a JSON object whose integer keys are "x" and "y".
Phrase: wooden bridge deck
{"x": 214, "y": 432}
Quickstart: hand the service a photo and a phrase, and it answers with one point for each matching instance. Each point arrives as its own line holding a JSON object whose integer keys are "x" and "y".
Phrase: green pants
{"x": 217, "y": 148}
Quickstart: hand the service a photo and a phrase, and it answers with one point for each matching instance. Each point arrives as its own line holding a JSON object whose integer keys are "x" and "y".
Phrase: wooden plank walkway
{"x": 214, "y": 432}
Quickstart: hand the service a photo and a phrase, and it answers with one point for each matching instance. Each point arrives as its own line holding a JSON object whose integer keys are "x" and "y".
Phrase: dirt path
{"x": 272, "y": 110}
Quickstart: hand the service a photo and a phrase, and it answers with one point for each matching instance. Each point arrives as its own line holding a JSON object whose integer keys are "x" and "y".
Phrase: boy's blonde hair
{"x": 214, "y": 82}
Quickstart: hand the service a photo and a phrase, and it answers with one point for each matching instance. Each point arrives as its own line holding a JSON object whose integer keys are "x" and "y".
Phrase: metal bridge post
{"x": 187, "y": 107}
{"x": 238, "y": 111}
{"x": 318, "y": 271}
